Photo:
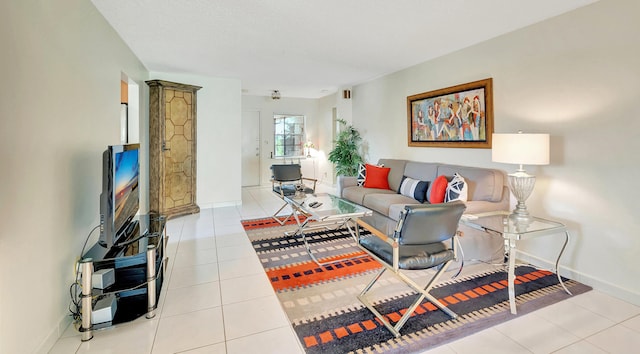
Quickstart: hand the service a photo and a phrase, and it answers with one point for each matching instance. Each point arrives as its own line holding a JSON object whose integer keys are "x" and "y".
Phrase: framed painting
{"x": 459, "y": 116}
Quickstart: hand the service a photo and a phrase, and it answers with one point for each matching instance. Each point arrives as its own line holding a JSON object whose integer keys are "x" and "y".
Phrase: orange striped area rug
{"x": 269, "y": 222}
{"x": 321, "y": 302}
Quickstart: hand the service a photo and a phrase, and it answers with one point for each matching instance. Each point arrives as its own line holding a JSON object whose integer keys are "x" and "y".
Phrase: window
{"x": 289, "y": 135}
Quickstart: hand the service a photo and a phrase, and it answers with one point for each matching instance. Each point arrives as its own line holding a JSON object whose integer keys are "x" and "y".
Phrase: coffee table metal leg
{"x": 307, "y": 246}
{"x": 295, "y": 216}
{"x": 354, "y": 234}
{"x": 301, "y": 226}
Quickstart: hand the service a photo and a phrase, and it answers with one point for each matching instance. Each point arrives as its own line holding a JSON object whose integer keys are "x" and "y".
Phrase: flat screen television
{"x": 120, "y": 197}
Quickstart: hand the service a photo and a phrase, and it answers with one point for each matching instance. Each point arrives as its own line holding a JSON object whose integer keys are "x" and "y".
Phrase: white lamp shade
{"x": 521, "y": 149}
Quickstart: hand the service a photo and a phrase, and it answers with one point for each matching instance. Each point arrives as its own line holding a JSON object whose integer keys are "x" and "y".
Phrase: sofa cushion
{"x": 483, "y": 183}
{"x": 376, "y": 177}
{"x": 414, "y": 188}
{"x": 425, "y": 171}
{"x": 356, "y": 194}
{"x": 396, "y": 209}
{"x": 397, "y": 171}
{"x": 381, "y": 202}
{"x": 438, "y": 189}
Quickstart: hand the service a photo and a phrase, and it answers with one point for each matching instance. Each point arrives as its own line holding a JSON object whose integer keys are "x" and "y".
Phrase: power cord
{"x": 75, "y": 303}
{"x": 75, "y": 289}
{"x": 136, "y": 239}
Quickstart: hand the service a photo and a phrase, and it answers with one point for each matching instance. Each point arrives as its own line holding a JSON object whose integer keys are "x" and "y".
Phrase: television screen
{"x": 119, "y": 201}
{"x": 127, "y": 171}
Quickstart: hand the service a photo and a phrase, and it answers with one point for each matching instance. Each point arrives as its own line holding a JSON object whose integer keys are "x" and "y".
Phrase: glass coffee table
{"x": 513, "y": 230}
{"x": 326, "y": 211}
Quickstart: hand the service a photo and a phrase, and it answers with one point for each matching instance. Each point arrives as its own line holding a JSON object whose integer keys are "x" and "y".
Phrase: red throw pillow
{"x": 438, "y": 190}
{"x": 377, "y": 177}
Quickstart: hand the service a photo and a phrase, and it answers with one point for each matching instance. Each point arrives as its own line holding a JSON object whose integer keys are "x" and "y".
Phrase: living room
{"x": 560, "y": 76}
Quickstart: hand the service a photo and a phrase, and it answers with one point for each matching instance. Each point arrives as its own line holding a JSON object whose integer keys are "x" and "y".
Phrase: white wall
{"x": 319, "y": 115}
{"x": 343, "y": 109}
{"x": 61, "y": 65}
{"x": 218, "y": 138}
{"x": 576, "y": 77}
{"x": 314, "y": 117}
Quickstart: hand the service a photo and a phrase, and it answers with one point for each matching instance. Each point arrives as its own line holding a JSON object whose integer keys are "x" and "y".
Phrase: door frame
{"x": 259, "y": 181}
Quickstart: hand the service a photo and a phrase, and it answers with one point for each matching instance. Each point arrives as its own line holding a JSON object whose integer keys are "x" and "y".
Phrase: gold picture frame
{"x": 459, "y": 116}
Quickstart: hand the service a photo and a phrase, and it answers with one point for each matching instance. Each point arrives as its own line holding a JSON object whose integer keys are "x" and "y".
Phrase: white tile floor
{"x": 216, "y": 299}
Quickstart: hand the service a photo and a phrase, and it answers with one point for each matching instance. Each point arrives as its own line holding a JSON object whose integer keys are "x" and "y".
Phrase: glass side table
{"x": 512, "y": 231}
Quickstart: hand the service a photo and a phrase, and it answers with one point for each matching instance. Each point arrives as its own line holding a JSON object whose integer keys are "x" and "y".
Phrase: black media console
{"x": 136, "y": 265}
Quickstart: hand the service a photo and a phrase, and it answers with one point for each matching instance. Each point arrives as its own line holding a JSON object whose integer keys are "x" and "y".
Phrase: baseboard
{"x": 596, "y": 283}
{"x": 52, "y": 337}
{"x": 232, "y": 203}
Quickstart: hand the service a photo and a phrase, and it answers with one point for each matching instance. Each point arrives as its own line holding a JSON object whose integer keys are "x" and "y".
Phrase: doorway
{"x": 129, "y": 110}
{"x": 250, "y": 148}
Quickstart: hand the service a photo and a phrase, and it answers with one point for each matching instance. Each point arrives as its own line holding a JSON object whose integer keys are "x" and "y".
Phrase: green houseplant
{"x": 346, "y": 153}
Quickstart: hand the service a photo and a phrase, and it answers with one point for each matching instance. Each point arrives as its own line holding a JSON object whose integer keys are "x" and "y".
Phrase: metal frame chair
{"x": 284, "y": 181}
{"x": 418, "y": 242}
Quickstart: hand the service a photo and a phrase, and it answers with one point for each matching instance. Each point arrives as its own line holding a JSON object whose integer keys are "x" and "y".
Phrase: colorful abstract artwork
{"x": 459, "y": 116}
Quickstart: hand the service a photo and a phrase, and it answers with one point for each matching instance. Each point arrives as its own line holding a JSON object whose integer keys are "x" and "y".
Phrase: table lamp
{"x": 308, "y": 146}
{"x": 521, "y": 149}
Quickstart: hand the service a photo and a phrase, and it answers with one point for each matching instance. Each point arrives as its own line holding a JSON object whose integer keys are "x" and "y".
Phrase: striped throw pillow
{"x": 413, "y": 188}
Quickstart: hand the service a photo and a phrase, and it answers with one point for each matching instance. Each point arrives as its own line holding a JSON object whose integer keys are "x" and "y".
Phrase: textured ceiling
{"x": 311, "y": 48}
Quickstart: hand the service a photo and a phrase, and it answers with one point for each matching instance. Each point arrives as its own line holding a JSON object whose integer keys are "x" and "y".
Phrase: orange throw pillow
{"x": 377, "y": 177}
{"x": 438, "y": 190}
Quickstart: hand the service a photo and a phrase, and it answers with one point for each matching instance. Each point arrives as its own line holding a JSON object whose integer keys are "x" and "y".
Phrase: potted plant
{"x": 346, "y": 155}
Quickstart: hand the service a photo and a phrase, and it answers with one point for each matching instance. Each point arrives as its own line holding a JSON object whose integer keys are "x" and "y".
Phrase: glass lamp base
{"x": 521, "y": 185}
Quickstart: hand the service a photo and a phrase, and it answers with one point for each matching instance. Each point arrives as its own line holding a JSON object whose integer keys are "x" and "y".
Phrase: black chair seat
{"x": 411, "y": 257}
{"x": 289, "y": 190}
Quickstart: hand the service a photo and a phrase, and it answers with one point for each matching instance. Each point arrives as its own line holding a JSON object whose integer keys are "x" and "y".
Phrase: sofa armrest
{"x": 344, "y": 182}
{"x": 482, "y": 206}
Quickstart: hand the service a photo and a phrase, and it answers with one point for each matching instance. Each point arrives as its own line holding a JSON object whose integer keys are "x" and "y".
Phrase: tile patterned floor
{"x": 216, "y": 299}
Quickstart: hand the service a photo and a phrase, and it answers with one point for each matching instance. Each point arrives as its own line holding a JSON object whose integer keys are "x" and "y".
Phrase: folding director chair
{"x": 284, "y": 181}
{"x": 418, "y": 242}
